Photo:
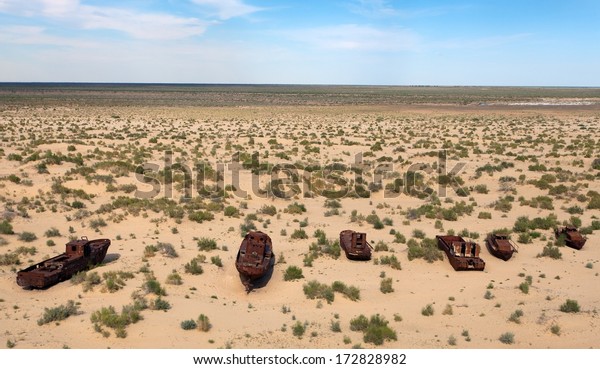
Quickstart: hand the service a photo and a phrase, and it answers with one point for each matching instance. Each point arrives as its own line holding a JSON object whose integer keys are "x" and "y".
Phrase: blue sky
{"x": 403, "y": 42}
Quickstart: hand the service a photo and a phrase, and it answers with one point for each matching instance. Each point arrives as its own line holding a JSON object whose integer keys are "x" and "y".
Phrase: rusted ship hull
{"x": 355, "y": 245}
{"x": 500, "y": 246}
{"x": 255, "y": 258}
{"x": 79, "y": 255}
{"x": 462, "y": 255}
{"x": 573, "y": 237}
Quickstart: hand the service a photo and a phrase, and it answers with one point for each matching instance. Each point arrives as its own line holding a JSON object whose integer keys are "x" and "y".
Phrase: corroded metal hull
{"x": 462, "y": 255}
{"x": 254, "y": 258}
{"x": 500, "y": 246}
{"x": 355, "y": 245}
{"x": 79, "y": 255}
{"x": 573, "y": 237}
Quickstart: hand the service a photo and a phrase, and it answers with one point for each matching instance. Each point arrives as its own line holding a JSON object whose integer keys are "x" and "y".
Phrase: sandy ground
{"x": 566, "y": 139}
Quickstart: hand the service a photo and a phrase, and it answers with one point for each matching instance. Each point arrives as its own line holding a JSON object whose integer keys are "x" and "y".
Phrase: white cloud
{"x": 357, "y": 37}
{"x": 226, "y": 9}
{"x": 150, "y": 26}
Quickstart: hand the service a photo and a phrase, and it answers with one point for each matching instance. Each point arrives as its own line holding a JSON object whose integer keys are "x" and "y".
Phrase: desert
{"x": 176, "y": 175}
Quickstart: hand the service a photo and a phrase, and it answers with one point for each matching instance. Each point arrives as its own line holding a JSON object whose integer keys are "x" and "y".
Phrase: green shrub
{"x": 391, "y": 261}
{"x": 204, "y": 323}
{"x": 299, "y": 234}
{"x": 293, "y": 273}
{"x": 268, "y": 210}
{"x": 335, "y": 326}
{"x": 507, "y": 338}
{"x": 231, "y": 211}
{"x": 551, "y": 252}
{"x": 58, "y": 313}
{"x": 207, "y": 244}
{"x": 375, "y": 330}
{"x": 194, "y": 267}
{"x": 427, "y": 249}
{"x": 516, "y": 316}
{"x": 570, "y": 306}
{"x": 174, "y": 279}
{"x": 298, "y": 329}
{"x": 153, "y": 286}
{"x": 427, "y": 310}
{"x": 160, "y": 304}
{"x": 295, "y": 208}
{"x": 360, "y": 323}
{"x": 484, "y": 215}
{"x": 201, "y": 216}
{"x": 27, "y": 237}
{"x": 6, "y": 227}
{"x": 114, "y": 281}
{"x": 52, "y": 232}
{"x": 315, "y": 290}
{"x": 524, "y": 287}
{"x": 189, "y": 324}
{"x": 216, "y": 260}
{"x": 97, "y": 223}
{"x": 385, "y": 285}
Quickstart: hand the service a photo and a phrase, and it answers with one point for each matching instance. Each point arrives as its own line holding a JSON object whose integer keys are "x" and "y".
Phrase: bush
{"x": 507, "y": 338}
{"x": 360, "y": 323}
{"x": 59, "y": 313}
{"x": 375, "y": 330}
{"x": 570, "y": 306}
{"x": 6, "y": 227}
{"x": 551, "y": 252}
{"x": 427, "y": 310}
{"x": 484, "y": 215}
{"x": 52, "y": 232}
{"x": 298, "y": 329}
{"x": 27, "y": 237}
{"x": 153, "y": 286}
{"x": 174, "y": 279}
{"x": 97, "y": 223}
{"x": 516, "y": 316}
{"x": 386, "y": 285}
{"x": 524, "y": 287}
{"x": 194, "y": 267}
{"x": 299, "y": 234}
{"x": 391, "y": 261}
{"x": 189, "y": 324}
{"x": 292, "y": 273}
{"x": 160, "y": 304}
{"x": 315, "y": 290}
{"x": 268, "y": 210}
{"x": 427, "y": 250}
{"x": 207, "y": 244}
{"x": 204, "y": 323}
{"x": 231, "y": 211}
{"x": 201, "y": 216}
{"x": 295, "y": 208}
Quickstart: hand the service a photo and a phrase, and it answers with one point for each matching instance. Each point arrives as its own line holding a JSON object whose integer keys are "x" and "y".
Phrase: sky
{"x": 356, "y": 42}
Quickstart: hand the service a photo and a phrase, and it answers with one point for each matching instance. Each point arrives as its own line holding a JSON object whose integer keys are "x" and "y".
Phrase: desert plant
{"x": 204, "y": 323}
{"x": 448, "y": 310}
{"x": 385, "y": 285}
{"x": 216, "y": 260}
{"x": 292, "y": 273}
{"x": 570, "y": 306}
{"x": 507, "y": 338}
{"x": 52, "y": 232}
{"x": 555, "y": 329}
{"x": 427, "y": 310}
{"x": 298, "y": 329}
{"x": 174, "y": 278}
{"x": 207, "y": 244}
{"x": 58, "y": 313}
{"x": 315, "y": 290}
{"x": 193, "y": 266}
{"x": 524, "y": 287}
{"x": 188, "y": 324}
{"x": 27, "y": 237}
{"x": 515, "y": 317}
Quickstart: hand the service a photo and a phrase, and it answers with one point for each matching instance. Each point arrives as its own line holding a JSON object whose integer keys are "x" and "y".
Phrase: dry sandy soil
{"x": 88, "y": 154}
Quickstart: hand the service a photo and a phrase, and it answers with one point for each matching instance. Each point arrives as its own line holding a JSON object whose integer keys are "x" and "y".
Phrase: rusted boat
{"x": 573, "y": 237}
{"x": 355, "y": 245}
{"x": 79, "y": 255}
{"x": 500, "y": 246}
{"x": 463, "y": 255}
{"x": 255, "y": 257}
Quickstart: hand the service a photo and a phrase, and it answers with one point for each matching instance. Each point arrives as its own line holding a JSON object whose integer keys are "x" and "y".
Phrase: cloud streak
{"x": 357, "y": 37}
{"x": 226, "y": 9}
{"x": 139, "y": 25}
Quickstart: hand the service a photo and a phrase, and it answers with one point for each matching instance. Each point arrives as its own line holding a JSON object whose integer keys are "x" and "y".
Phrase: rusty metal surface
{"x": 254, "y": 258}
{"x": 355, "y": 245}
{"x": 79, "y": 255}
{"x": 500, "y": 246}
{"x": 573, "y": 238}
{"x": 463, "y": 255}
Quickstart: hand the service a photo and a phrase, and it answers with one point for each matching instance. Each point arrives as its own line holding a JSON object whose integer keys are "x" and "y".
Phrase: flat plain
{"x": 175, "y": 175}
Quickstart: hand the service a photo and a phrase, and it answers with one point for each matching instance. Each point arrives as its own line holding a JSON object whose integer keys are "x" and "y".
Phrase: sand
{"x": 568, "y": 139}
